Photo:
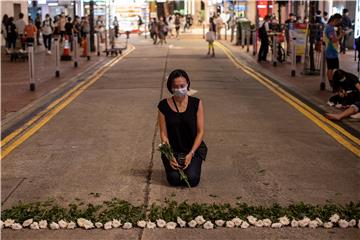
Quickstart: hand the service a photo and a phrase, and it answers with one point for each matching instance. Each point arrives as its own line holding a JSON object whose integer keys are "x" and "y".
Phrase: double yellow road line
{"x": 20, "y": 135}
{"x": 342, "y": 136}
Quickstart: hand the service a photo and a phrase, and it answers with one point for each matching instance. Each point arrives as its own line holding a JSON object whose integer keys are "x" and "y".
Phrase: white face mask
{"x": 180, "y": 92}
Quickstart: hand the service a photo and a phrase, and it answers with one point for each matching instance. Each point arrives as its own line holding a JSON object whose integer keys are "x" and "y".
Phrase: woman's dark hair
{"x": 176, "y": 74}
{"x": 5, "y": 19}
{"x": 338, "y": 79}
{"x": 334, "y": 17}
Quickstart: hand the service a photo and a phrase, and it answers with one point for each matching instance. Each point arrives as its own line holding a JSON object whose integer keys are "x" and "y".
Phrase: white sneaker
{"x": 355, "y": 116}
{"x": 49, "y": 52}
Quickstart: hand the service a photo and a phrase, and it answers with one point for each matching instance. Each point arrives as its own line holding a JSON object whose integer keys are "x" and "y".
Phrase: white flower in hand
{"x": 208, "y": 225}
{"x": 200, "y": 220}
{"x": 160, "y": 223}
{"x": 192, "y": 224}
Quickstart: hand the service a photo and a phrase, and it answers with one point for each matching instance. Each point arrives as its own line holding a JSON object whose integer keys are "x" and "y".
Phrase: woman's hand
{"x": 188, "y": 159}
{"x": 174, "y": 164}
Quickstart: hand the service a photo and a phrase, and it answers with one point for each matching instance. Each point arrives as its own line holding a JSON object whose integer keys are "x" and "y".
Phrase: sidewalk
{"x": 15, "y": 77}
{"x": 305, "y": 85}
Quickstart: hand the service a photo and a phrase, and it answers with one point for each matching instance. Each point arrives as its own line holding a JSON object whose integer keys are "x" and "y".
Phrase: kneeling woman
{"x": 181, "y": 121}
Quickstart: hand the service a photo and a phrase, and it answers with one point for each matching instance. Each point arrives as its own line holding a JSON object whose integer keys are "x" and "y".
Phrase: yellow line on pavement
{"x": 55, "y": 107}
{"x": 310, "y": 113}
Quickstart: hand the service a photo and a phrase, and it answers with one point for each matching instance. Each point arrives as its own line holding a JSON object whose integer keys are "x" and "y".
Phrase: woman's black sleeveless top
{"x": 181, "y": 127}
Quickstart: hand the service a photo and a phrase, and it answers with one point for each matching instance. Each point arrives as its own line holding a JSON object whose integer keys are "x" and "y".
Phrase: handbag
{"x": 201, "y": 151}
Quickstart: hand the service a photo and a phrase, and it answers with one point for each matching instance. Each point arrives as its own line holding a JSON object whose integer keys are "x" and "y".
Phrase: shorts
{"x": 332, "y": 63}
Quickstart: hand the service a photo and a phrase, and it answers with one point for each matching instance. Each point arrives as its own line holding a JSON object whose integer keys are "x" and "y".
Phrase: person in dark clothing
{"x": 38, "y": 28}
{"x": 346, "y": 26}
{"x": 264, "y": 39}
{"x": 346, "y": 83}
{"x": 181, "y": 122}
{"x": 69, "y": 28}
{"x": 211, "y": 36}
{"x": 11, "y": 33}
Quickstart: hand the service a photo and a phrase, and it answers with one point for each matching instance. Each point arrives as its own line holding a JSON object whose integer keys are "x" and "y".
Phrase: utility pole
{"x": 92, "y": 27}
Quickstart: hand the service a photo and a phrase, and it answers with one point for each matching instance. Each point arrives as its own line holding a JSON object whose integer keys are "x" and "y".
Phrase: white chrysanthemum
{"x": 81, "y": 222}
{"x": 141, "y": 224}
{"x": 62, "y": 224}
{"x": 127, "y": 225}
{"x": 245, "y": 224}
{"x": 343, "y": 223}
{"x": 98, "y": 225}
{"x": 304, "y": 222}
{"x": 71, "y": 225}
{"x": 16, "y": 226}
{"x": 192, "y": 223}
{"x": 267, "y": 222}
{"x": 171, "y": 225}
{"x": 116, "y": 223}
{"x": 208, "y": 225}
{"x": 252, "y": 220}
{"x": 230, "y": 224}
{"x": 108, "y": 225}
{"x": 88, "y": 225}
{"x": 54, "y": 226}
{"x": 352, "y": 223}
{"x": 181, "y": 222}
{"x": 150, "y": 225}
{"x": 28, "y": 222}
{"x": 200, "y": 220}
{"x": 319, "y": 221}
{"x": 313, "y": 224}
{"x": 34, "y": 226}
{"x": 294, "y": 223}
{"x": 276, "y": 225}
{"x": 259, "y": 223}
{"x": 328, "y": 225}
{"x": 237, "y": 221}
{"x": 43, "y": 224}
{"x": 219, "y": 223}
{"x": 1, "y": 224}
{"x": 334, "y": 218}
{"x": 284, "y": 220}
{"x": 161, "y": 223}
{"x": 9, "y": 222}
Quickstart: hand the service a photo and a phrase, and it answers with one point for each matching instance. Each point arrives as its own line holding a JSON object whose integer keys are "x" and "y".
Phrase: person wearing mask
{"x": 47, "y": 31}
{"x": 332, "y": 44}
{"x": 264, "y": 39}
{"x": 20, "y": 26}
{"x": 11, "y": 33}
{"x": 38, "y": 28}
{"x": 30, "y": 32}
{"x": 346, "y": 27}
{"x": 181, "y": 123}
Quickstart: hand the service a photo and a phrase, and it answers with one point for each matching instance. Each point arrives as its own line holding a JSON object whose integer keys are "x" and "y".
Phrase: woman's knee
{"x": 173, "y": 179}
{"x": 194, "y": 180}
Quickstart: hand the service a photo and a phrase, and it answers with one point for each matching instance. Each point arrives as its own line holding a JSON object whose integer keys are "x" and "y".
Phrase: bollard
{"x": 293, "y": 57}
{"x": 274, "y": 52}
{"x": 254, "y": 43}
{"x": 242, "y": 38}
{"x": 203, "y": 30}
{"x": 75, "y": 48}
{"x": 57, "y": 57}
{"x": 88, "y": 46}
{"x": 248, "y": 41}
{"x": 323, "y": 68}
{"x": 31, "y": 66}
{"x": 226, "y": 27}
{"x": 98, "y": 43}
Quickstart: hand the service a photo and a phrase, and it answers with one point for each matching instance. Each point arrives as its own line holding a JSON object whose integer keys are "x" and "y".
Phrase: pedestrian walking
{"x": 211, "y": 36}
{"x": 69, "y": 27}
{"x": 77, "y": 28}
{"x": 162, "y": 30}
{"x": 116, "y": 27}
{"x": 154, "y": 30}
{"x": 331, "y": 40}
{"x": 100, "y": 28}
{"x": 20, "y": 26}
{"x": 219, "y": 25}
{"x": 181, "y": 122}
{"x": 289, "y": 25}
{"x": 62, "y": 22}
{"x": 3, "y": 29}
{"x": 85, "y": 30}
{"x": 264, "y": 39}
{"x": 47, "y": 32}
{"x": 346, "y": 28}
{"x": 177, "y": 25}
{"x": 11, "y": 33}
{"x": 139, "y": 24}
{"x": 38, "y": 28}
{"x": 30, "y": 32}
{"x": 170, "y": 22}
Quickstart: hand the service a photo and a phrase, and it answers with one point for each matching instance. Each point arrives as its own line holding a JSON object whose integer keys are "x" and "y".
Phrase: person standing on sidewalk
{"x": 77, "y": 28}
{"x": 219, "y": 25}
{"x": 264, "y": 39}
{"x": 289, "y": 25}
{"x": 162, "y": 30}
{"x": 38, "y": 28}
{"x": 177, "y": 25}
{"x": 11, "y": 33}
{"x": 85, "y": 30}
{"x": 346, "y": 27}
{"x": 69, "y": 31}
{"x": 47, "y": 31}
{"x": 332, "y": 45}
{"x": 20, "y": 26}
{"x": 181, "y": 122}
{"x": 62, "y": 22}
{"x": 3, "y": 29}
{"x": 116, "y": 27}
{"x": 154, "y": 30}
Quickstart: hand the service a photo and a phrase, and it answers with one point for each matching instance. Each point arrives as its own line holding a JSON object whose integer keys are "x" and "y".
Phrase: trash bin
{"x": 242, "y": 24}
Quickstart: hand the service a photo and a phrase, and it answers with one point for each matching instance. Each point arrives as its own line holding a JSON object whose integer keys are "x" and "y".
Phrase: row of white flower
{"x": 199, "y": 221}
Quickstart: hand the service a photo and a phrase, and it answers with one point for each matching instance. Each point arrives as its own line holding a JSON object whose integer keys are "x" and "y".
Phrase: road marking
{"x": 310, "y": 113}
{"x": 38, "y": 121}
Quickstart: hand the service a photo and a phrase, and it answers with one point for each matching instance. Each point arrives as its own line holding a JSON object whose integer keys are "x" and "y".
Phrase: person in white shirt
{"x": 20, "y": 26}
{"x": 47, "y": 31}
